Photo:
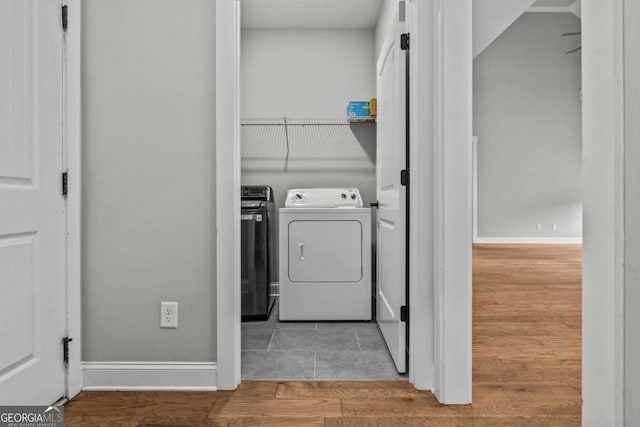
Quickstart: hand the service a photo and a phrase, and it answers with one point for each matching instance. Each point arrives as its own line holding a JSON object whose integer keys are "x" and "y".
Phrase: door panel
{"x": 32, "y": 210}
{"x": 16, "y": 125}
{"x": 325, "y": 251}
{"x": 390, "y": 222}
{"x": 17, "y": 282}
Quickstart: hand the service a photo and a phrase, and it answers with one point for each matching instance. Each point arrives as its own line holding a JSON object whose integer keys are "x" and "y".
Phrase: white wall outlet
{"x": 539, "y": 227}
{"x": 554, "y": 227}
{"x": 168, "y": 314}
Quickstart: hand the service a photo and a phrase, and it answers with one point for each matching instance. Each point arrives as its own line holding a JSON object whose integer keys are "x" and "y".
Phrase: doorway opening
{"x": 528, "y": 207}
{"x": 321, "y": 295}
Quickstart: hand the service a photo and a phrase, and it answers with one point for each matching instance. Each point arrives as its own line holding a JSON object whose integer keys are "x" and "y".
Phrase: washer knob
{"x": 344, "y": 196}
{"x": 298, "y": 196}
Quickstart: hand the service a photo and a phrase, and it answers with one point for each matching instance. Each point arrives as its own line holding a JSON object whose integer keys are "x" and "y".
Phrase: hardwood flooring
{"x": 526, "y": 366}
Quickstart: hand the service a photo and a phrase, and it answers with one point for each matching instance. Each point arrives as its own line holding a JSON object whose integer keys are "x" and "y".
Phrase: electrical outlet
{"x": 168, "y": 314}
{"x": 539, "y": 227}
{"x": 554, "y": 227}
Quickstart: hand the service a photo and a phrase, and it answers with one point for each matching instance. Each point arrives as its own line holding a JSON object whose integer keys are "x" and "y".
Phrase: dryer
{"x": 325, "y": 255}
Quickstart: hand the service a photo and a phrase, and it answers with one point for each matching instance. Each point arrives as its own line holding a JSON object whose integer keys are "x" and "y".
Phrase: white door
{"x": 391, "y": 220}
{"x": 32, "y": 209}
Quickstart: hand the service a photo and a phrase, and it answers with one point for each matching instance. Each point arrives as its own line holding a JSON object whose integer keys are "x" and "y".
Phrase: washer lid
{"x": 256, "y": 192}
{"x": 323, "y": 198}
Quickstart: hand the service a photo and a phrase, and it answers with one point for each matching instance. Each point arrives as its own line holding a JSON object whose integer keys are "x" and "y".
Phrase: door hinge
{"x": 404, "y": 313}
{"x": 65, "y": 183}
{"x": 65, "y": 350}
{"x": 404, "y": 41}
{"x": 404, "y": 177}
{"x": 65, "y": 17}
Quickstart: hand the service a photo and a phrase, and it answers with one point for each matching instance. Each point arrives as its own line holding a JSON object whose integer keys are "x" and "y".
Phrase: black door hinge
{"x": 65, "y": 350}
{"x": 65, "y": 183}
{"x": 404, "y": 313}
{"x": 404, "y": 41}
{"x": 404, "y": 177}
{"x": 65, "y": 18}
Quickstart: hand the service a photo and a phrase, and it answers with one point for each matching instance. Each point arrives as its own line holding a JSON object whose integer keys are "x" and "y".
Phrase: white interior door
{"x": 391, "y": 214}
{"x": 32, "y": 210}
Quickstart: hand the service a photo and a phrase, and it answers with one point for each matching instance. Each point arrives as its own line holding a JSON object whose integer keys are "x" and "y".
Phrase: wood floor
{"x": 526, "y": 366}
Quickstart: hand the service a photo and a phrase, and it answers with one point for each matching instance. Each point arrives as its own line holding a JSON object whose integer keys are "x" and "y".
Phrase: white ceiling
{"x": 310, "y": 13}
{"x": 553, "y": 3}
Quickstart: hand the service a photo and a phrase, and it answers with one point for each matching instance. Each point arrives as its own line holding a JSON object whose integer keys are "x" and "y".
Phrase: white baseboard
{"x": 527, "y": 240}
{"x": 147, "y": 376}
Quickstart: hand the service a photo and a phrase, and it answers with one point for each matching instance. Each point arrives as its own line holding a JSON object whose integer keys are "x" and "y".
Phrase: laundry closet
{"x": 309, "y": 81}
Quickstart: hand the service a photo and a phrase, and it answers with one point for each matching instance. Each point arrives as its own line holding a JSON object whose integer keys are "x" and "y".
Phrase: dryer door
{"x": 325, "y": 251}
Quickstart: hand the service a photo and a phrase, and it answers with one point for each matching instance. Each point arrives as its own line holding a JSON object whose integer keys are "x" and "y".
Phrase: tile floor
{"x": 315, "y": 350}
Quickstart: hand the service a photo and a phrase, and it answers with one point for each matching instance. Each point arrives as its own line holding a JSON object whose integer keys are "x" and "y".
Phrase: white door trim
{"x": 452, "y": 168}
{"x": 73, "y": 162}
{"x": 441, "y": 197}
{"x": 603, "y": 168}
{"x": 228, "y": 192}
{"x": 420, "y": 18}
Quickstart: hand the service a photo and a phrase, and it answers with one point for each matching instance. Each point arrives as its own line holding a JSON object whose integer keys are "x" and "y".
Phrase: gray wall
{"x": 300, "y": 72}
{"x": 309, "y": 73}
{"x": 527, "y": 116}
{"x": 148, "y": 138}
{"x": 632, "y": 216}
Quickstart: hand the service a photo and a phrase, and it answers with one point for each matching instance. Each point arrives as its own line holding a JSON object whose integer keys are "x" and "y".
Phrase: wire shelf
{"x": 302, "y": 140}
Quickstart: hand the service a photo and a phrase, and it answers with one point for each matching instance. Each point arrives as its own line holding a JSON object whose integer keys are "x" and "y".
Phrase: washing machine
{"x": 259, "y": 251}
{"x": 325, "y": 255}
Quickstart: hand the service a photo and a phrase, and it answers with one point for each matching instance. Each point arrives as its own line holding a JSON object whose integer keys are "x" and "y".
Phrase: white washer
{"x": 325, "y": 255}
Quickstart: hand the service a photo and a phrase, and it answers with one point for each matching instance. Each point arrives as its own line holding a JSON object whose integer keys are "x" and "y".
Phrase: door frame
{"x": 227, "y": 203}
{"x": 73, "y": 163}
{"x": 439, "y": 252}
{"x": 604, "y": 128}
{"x": 441, "y": 82}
